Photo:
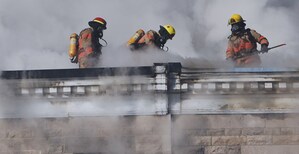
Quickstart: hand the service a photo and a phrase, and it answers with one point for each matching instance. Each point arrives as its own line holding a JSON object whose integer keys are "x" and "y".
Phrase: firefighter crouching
{"x": 142, "y": 40}
{"x": 243, "y": 41}
{"x": 85, "y": 49}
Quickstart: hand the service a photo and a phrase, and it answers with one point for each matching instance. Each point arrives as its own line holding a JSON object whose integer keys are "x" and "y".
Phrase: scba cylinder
{"x": 73, "y": 45}
{"x": 136, "y": 37}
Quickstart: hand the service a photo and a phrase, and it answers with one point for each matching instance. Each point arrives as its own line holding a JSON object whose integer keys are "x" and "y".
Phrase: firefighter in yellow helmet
{"x": 242, "y": 42}
{"x": 142, "y": 40}
{"x": 88, "y": 45}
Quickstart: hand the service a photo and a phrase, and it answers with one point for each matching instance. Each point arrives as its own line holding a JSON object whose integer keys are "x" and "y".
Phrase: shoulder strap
{"x": 157, "y": 39}
{"x": 250, "y": 36}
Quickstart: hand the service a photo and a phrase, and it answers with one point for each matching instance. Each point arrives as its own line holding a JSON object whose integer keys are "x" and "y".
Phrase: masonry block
{"x": 216, "y": 132}
{"x": 233, "y": 131}
{"x": 228, "y": 140}
{"x": 259, "y": 140}
{"x": 272, "y": 131}
{"x": 252, "y": 131}
{"x": 285, "y": 139}
{"x": 200, "y": 140}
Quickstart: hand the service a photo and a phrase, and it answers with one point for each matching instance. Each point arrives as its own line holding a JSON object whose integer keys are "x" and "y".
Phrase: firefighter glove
{"x": 264, "y": 48}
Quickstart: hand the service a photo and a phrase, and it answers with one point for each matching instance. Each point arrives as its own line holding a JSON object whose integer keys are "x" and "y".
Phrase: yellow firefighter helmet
{"x": 235, "y": 18}
{"x": 170, "y": 30}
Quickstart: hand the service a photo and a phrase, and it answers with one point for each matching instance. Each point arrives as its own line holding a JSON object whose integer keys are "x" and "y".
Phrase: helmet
{"x": 170, "y": 30}
{"x": 235, "y": 18}
{"x": 98, "y": 22}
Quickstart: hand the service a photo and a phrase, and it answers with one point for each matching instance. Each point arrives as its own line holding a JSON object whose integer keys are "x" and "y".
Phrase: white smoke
{"x": 35, "y": 34}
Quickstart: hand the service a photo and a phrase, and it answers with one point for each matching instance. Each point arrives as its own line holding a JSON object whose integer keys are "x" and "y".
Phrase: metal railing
{"x": 169, "y": 86}
{"x": 83, "y": 82}
{"x": 238, "y": 81}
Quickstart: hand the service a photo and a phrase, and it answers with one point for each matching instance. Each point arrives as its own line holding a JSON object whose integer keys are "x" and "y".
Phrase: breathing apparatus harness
{"x": 238, "y": 29}
{"x": 162, "y": 39}
{"x": 98, "y": 32}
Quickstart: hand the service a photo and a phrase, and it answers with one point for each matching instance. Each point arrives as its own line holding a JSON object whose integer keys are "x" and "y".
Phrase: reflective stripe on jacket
{"x": 244, "y": 43}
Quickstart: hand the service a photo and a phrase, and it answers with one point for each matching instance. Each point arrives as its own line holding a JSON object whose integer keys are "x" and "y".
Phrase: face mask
{"x": 237, "y": 27}
{"x": 100, "y": 34}
{"x": 98, "y": 31}
{"x": 163, "y": 40}
{"x": 164, "y": 35}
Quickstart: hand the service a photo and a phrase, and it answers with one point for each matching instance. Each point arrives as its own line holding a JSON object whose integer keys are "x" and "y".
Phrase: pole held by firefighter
{"x": 257, "y": 51}
{"x": 277, "y": 46}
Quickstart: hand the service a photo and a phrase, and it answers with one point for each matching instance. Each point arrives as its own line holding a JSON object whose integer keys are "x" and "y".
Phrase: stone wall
{"x": 105, "y": 135}
{"x": 246, "y": 134}
{"x": 178, "y": 134}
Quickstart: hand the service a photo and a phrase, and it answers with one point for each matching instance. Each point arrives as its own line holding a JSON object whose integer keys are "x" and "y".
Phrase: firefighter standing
{"x": 88, "y": 48}
{"x": 151, "y": 38}
{"x": 243, "y": 41}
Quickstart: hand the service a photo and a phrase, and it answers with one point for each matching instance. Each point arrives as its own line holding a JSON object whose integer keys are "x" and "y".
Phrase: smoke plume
{"x": 35, "y": 34}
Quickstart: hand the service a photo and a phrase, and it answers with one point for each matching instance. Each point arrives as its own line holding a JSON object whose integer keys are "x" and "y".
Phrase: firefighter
{"x": 151, "y": 38}
{"x": 243, "y": 41}
{"x": 88, "y": 45}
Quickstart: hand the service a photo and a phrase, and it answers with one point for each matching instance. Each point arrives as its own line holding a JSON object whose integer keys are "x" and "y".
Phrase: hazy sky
{"x": 34, "y": 34}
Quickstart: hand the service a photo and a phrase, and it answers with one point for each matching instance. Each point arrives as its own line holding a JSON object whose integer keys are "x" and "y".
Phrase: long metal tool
{"x": 277, "y": 46}
{"x": 240, "y": 55}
